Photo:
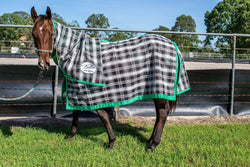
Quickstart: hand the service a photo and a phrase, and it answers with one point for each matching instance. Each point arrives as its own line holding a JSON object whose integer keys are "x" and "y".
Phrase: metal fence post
{"x": 233, "y": 76}
{"x": 55, "y": 92}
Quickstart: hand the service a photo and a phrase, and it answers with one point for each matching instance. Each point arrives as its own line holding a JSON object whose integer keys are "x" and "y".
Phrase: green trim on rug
{"x": 177, "y": 74}
{"x": 183, "y": 91}
{"x": 119, "y": 103}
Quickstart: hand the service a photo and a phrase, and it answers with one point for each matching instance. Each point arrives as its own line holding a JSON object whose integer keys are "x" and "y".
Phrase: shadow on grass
{"x": 6, "y": 131}
{"x": 87, "y": 128}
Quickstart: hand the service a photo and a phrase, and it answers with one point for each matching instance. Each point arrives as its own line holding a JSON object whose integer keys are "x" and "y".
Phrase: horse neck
{"x": 65, "y": 37}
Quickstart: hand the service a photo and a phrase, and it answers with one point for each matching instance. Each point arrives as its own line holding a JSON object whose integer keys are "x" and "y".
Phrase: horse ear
{"x": 33, "y": 13}
{"x": 48, "y": 13}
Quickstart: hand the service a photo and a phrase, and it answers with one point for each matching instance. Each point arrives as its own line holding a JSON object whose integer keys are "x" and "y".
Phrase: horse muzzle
{"x": 43, "y": 66}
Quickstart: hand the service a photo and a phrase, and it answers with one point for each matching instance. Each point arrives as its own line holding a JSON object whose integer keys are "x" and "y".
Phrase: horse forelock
{"x": 40, "y": 20}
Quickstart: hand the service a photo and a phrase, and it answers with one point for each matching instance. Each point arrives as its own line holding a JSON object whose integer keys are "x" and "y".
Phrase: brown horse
{"x": 43, "y": 36}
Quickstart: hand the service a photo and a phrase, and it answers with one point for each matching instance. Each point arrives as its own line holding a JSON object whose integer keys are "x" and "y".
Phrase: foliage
{"x": 101, "y": 21}
{"x": 73, "y": 23}
{"x": 162, "y": 28}
{"x": 27, "y": 21}
{"x": 229, "y": 16}
{"x": 182, "y": 145}
{"x": 23, "y": 18}
{"x": 58, "y": 18}
{"x": 11, "y": 33}
{"x": 97, "y": 21}
{"x": 118, "y": 36}
{"x": 26, "y": 17}
{"x": 185, "y": 24}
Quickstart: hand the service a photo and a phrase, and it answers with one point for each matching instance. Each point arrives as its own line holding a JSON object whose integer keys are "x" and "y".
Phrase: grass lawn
{"x": 182, "y": 145}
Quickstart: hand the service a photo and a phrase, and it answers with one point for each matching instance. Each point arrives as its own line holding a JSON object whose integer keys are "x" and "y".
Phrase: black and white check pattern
{"x": 138, "y": 68}
{"x": 75, "y": 48}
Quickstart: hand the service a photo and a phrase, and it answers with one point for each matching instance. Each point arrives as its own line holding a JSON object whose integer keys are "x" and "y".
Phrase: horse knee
{"x": 103, "y": 115}
{"x": 167, "y": 108}
{"x": 163, "y": 114}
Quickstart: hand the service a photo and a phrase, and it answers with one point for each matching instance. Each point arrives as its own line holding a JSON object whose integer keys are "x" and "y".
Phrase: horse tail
{"x": 172, "y": 105}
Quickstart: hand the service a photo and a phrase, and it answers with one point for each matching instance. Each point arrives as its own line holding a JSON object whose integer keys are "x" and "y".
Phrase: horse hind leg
{"x": 163, "y": 109}
{"x": 105, "y": 119}
{"x": 156, "y": 121}
{"x": 74, "y": 126}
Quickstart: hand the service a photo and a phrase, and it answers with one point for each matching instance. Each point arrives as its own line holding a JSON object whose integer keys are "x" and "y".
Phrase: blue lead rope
{"x": 40, "y": 76}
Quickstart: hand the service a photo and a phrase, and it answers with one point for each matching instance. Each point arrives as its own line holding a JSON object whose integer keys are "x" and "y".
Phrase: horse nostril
{"x": 47, "y": 66}
{"x": 41, "y": 65}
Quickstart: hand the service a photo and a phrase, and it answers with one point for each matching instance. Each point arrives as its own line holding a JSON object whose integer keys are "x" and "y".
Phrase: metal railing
{"x": 136, "y": 31}
{"x": 234, "y": 37}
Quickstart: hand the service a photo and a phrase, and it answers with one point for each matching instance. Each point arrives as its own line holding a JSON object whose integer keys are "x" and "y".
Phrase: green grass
{"x": 197, "y": 145}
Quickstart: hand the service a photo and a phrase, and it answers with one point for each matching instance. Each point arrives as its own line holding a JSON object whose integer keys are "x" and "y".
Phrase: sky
{"x": 124, "y": 14}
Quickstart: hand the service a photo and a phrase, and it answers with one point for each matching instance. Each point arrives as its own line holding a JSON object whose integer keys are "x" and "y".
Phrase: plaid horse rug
{"x": 100, "y": 74}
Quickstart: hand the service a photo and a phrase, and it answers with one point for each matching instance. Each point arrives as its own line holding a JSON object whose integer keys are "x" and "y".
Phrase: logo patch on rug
{"x": 88, "y": 68}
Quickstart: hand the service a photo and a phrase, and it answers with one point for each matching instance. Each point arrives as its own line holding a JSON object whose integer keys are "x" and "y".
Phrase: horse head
{"x": 42, "y": 32}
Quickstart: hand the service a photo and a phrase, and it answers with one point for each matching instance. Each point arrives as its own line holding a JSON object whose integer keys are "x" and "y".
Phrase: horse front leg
{"x": 105, "y": 119}
{"x": 74, "y": 126}
{"x": 163, "y": 108}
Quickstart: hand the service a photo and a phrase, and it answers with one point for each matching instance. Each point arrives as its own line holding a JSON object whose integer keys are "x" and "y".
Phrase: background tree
{"x": 73, "y": 23}
{"x": 229, "y": 16}
{"x": 27, "y": 21}
{"x": 117, "y": 36}
{"x": 97, "y": 21}
{"x": 185, "y": 23}
{"x": 11, "y": 33}
{"x": 23, "y": 34}
{"x": 162, "y": 28}
{"x": 25, "y": 16}
{"x": 58, "y": 19}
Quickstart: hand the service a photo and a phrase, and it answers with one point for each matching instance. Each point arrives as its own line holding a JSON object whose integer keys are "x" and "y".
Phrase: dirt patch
{"x": 189, "y": 120}
{"x": 131, "y": 121}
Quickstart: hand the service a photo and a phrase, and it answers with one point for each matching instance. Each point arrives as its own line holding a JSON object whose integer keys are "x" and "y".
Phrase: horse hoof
{"x": 150, "y": 141}
{"x": 151, "y": 148}
{"x": 69, "y": 136}
{"x": 110, "y": 146}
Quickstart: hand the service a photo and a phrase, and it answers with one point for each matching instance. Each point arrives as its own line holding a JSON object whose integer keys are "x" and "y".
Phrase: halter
{"x": 44, "y": 51}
